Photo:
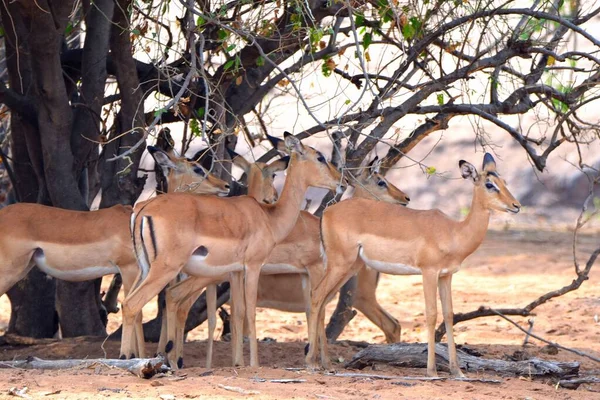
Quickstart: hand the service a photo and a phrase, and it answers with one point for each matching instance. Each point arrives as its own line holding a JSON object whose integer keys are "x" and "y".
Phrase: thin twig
{"x": 578, "y": 352}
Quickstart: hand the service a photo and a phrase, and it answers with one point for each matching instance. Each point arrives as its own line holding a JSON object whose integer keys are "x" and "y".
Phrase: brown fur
{"x": 300, "y": 249}
{"x": 236, "y": 231}
{"x": 427, "y": 240}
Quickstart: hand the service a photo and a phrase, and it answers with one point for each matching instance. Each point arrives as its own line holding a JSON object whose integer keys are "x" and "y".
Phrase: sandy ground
{"x": 510, "y": 269}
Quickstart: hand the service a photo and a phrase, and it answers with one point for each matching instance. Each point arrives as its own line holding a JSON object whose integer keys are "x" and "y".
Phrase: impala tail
{"x": 144, "y": 242}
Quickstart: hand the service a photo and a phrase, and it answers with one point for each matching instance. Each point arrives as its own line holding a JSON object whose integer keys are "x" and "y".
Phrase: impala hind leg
{"x": 159, "y": 276}
{"x": 334, "y": 278}
{"x": 180, "y": 298}
{"x": 446, "y": 300}
{"x": 430, "y": 282}
{"x": 366, "y": 302}
{"x": 130, "y": 275}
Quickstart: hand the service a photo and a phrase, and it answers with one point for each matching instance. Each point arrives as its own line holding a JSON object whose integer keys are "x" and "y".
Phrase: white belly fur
{"x": 389, "y": 268}
{"x": 273, "y": 269}
{"x": 77, "y": 275}
{"x": 197, "y": 266}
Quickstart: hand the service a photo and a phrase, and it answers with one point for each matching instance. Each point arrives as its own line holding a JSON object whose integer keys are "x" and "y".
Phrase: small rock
{"x": 156, "y": 383}
{"x": 549, "y": 349}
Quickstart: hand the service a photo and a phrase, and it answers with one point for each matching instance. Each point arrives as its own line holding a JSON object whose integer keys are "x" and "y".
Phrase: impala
{"x": 261, "y": 187}
{"x": 401, "y": 241}
{"x": 299, "y": 257}
{"x": 88, "y": 245}
{"x": 208, "y": 236}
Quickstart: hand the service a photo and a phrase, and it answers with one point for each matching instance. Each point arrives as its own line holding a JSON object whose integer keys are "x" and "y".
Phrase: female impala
{"x": 299, "y": 256}
{"x": 260, "y": 186}
{"x": 207, "y": 236}
{"x": 89, "y": 244}
{"x": 401, "y": 241}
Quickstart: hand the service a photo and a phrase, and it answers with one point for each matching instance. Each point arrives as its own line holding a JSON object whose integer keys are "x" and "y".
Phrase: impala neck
{"x": 283, "y": 214}
{"x": 472, "y": 229}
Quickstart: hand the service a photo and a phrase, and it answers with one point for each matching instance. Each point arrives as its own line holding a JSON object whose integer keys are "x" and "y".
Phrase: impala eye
{"x": 200, "y": 171}
{"x": 382, "y": 183}
{"x": 321, "y": 158}
{"x": 274, "y": 176}
{"x": 490, "y": 185}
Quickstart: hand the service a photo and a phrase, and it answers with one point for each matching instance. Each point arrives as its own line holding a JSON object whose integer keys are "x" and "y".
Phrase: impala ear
{"x": 375, "y": 165}
{"x": 164, "y": 140}
{"x": 468, "y": 170}
{"x": 293, "y": 143}
{"x": 238, "y": 160}
{"x": 279, "y": 165}
{"x": 162, "y": 159}
{"x": 278, "y": 144}
{"x": 489, "y": 164}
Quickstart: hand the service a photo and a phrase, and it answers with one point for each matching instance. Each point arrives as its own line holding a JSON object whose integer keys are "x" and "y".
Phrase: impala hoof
{"x": 180, "y": 362}
{"x": 169, "y": 346}
{"x": 122, "y": 357}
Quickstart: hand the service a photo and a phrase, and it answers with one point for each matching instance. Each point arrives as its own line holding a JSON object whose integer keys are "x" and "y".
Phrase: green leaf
{"x": 200, "y": 112}
{"x": 200, "y": 22}
{"x": 230, "y": 47}
{"x": 260, "y": 61}
{"x": 572, "y": 62}
{"x": 159, "y": 112}
{"x": 68, "y": 29}
{"x": 136, "y": 32}
{"x": 440, "y": 99}
{"x": 347, "y": 102}
{"x": 408, "y": 31}
{"x": 2, "y": 31}
{"x": 195, "y": 127}
{"x": 430, "y": 170}
{"x": 359, "y": 21}
{"x": 228, "y": 64}
{"x": 222, "y": 34}
{"x": 367, "y": 40}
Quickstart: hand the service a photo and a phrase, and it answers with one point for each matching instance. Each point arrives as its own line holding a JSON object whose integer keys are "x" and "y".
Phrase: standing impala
{"x": 299, "y": 256}
{"x": 89, "y": 244}
{"x": 261, "y": 187}
{"x": 207, "y": 236}
{"x": 401, "y": 241}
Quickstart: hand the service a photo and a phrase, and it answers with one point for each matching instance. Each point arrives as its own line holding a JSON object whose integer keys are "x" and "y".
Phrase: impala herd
{"x": 272, "y": 253}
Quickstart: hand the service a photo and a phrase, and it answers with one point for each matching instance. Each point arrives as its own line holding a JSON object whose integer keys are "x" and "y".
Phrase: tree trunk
{"x": 31, "y": 299}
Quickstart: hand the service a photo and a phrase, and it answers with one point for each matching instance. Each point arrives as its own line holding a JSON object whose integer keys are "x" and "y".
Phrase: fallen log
{"x": 574, "y": 383}
{"x": 141, "y": 367}
{"x": 414, "y": 355}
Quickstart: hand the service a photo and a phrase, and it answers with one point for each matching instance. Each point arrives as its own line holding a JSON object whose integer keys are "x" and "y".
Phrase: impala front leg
{"x": 211, "y": 316}
{"x": 238, "y": 310}
{"x": 252, "y": 274}
{"x": 446, "y": 299}
{"x": 430, "y": 281}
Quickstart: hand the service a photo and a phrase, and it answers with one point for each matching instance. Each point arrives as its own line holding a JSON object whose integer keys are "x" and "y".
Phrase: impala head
{"x": 371, "y": 184}
{"x": 310, "y": 162}
{"x": 260, "y": 176}
{"x": 188, "y": 175}
{"x": 496, "y": 195}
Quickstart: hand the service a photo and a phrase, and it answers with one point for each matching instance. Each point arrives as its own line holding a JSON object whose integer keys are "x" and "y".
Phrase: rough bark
{"x": 120, "y": 181}
{"x": 31, "y": 299}
{"x": 414, "y": 355}
{"x": 86, "y": 121}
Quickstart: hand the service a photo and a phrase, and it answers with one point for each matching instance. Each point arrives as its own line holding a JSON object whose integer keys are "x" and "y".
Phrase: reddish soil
{"x": 510, "y": 269}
